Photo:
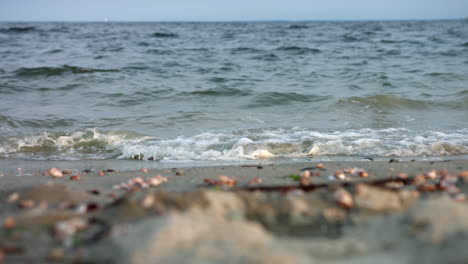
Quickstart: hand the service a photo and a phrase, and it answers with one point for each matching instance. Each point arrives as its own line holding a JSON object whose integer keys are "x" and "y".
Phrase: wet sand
{"x": 258, "y": 213}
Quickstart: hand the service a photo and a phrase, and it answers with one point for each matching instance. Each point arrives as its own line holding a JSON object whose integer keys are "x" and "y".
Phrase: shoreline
{"x": 257, "y": 212}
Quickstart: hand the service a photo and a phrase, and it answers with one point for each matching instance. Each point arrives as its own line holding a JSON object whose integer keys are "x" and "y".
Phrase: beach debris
{"x": 94, "y": 191}
{"x": 343, "y": 198}
{"x": 13, "y": 197}
{"x": 252, "y": 166}
{"x": 145, "y": 170}
{"x": 180, "y": 172}
{"x": 101, "y": 173}
{"x": 138, "y": 182}
{"x": 66, "y": 171}
{"x": 9, "y": 222}
{"x": 75, "y": 177}
{"x": 55, "y": 173}
{"x": 222, "y": 180}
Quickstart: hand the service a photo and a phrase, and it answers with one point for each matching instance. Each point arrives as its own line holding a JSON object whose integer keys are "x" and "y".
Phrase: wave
{"x": 55, "y": 71}
{"x": 298, "y": 50}
{"x": 18, "y": 30}
{"x": 276, "y": 98}
{"x": 237, "y": 145}
{"x": 219, "y": 92}
{"x": 386, "y": 101}
{"x": 164, "y": 35}
{"x": 297, "y": 27}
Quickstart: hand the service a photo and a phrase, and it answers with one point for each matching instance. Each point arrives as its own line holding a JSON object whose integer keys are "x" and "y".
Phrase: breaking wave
{"x": 236, "y": 146}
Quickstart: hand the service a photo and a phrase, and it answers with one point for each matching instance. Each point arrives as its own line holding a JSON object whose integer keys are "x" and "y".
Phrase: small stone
{"x": 26, "y": 204}
{"x": 66, "y": 171}
{"x": 75, "y": 177}
{"x": 101, "y": 173}
{"x": 319, "y": 166}
{"x": 339, "y": 175}
{"x": 363, "y": 174}
{"x": 180, "y": 173}
{"x": 54, "y": 172}
{"x": 431, "y": 174}
{"x": 144, "y": 170}
{"x": 147, "y": 201}
{"x": 427, "y": 187}
{"x": 9, "y": 222}
{"x": 402, "y": 175}
{"x": 343, "y": 198}
{"x": 393, "y": 161}
{"x": 305, "y": 174}
{"x": 13, "y": 197}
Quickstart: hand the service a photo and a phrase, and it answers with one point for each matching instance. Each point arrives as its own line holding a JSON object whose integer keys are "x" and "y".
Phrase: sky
{"x": 234, "y": 10}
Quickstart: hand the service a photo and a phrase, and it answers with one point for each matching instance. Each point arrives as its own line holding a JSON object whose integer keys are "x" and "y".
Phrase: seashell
{"x": 75, "y": 177}
{"x": 54, "y": 172}
{"x": 431, "y": 174}
{"x": 363, "y": 174}
{"x": 339, "y": 175}
{"x": 343, "y": 198}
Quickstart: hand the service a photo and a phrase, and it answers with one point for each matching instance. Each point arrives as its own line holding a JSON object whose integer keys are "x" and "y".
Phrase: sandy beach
{"x": 269, "y": 212}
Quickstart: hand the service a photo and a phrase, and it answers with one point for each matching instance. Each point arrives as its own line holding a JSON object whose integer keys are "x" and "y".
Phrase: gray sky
{"x": 219, "y": 10}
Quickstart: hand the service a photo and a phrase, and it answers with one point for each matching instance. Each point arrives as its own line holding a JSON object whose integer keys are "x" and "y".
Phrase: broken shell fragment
{"x": 54, "y": 172}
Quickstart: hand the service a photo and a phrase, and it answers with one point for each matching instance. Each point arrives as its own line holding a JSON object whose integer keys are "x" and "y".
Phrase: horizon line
{"x": 231, "y": 21}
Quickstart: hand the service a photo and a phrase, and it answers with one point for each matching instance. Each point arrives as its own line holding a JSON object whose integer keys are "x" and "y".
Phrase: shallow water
{"x": 229, "y": 91}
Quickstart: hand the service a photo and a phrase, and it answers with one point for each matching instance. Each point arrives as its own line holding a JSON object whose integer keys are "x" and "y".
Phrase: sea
{"x": 228, "y": 92}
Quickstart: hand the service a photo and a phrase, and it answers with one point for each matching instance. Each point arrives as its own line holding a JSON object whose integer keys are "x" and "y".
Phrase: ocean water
{"x": 231, "y": 92}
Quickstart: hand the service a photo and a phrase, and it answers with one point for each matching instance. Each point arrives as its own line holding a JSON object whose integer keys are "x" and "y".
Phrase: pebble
{"x": 319, "y": 166}
{"x": 463, "y": 174}
{"x": 54, "y": 172}
{"x": 363, "y": 174}
{"x": 26, "y": 204}
{"x": 343, "y": 198}
{"x": 305, "y": 174}
{"x": 9, "y": 222}
{"x": 144, "y": 170}
{"x": 75, "y": 177}
{"x": 339, "y": 175}
{"x": 13, "y": 197}
{"x": 180, "y": 173}
{"x": 101, "y": 173}
{"x": 66, "y": 171}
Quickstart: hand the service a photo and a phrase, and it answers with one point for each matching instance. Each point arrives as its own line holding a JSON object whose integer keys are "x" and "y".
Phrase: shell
{"x": 54, "y": 172}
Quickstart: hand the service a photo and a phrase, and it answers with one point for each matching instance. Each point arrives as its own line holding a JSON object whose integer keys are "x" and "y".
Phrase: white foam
{"x": 240, "y": 145}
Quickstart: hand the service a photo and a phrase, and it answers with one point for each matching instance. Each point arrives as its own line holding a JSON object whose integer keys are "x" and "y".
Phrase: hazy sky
{"x": 220, "y": 10}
